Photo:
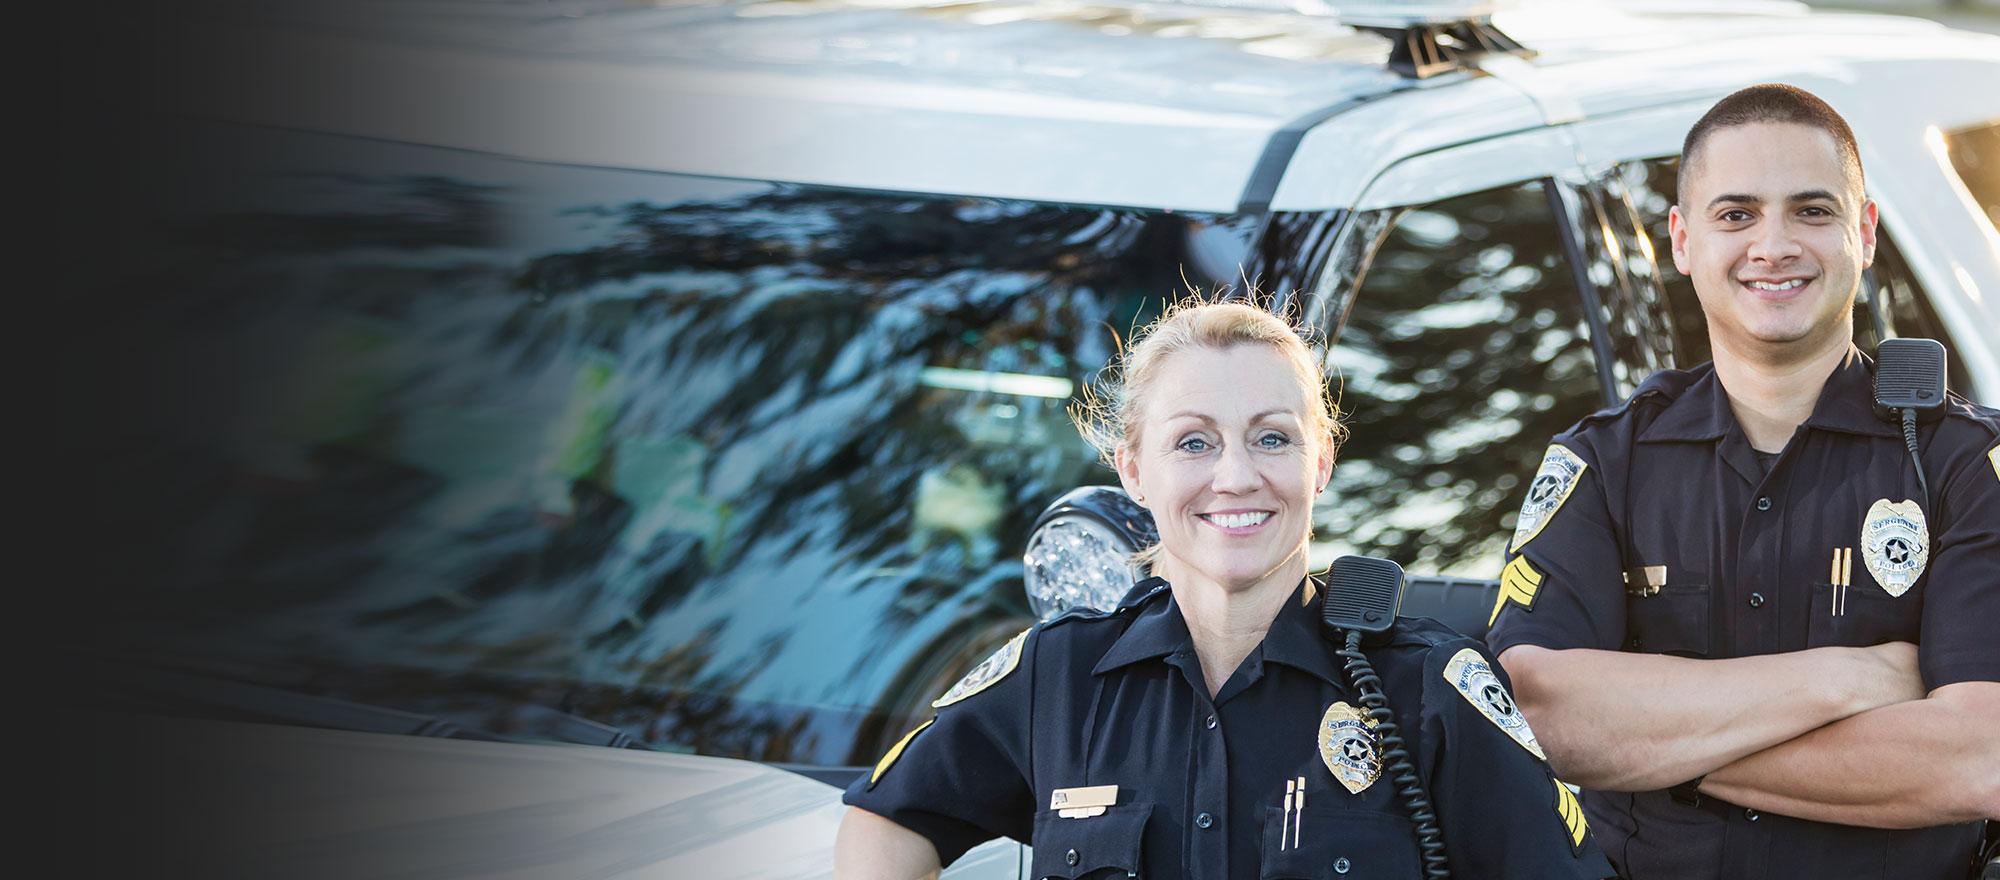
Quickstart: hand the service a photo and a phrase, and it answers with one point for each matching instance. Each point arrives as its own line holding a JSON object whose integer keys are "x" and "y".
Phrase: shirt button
{"x": 1764, "y": 502}
{"x": 1210, "y": 722}
{"x": 1070, "y": 857}
{"x": 1756, "y": 600}
{"x": 1341, "y": 865}
{"x": 1752, "y": 815}
{"x": 1204, "y": 820}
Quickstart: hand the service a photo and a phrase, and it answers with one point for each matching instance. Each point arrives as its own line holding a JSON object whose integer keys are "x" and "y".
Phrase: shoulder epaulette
{"x": 1424, "y": 632}
{"x": 1142, "y": 592}
{"x": 1663, "y": 386}
{"x": 1985, "y": 416}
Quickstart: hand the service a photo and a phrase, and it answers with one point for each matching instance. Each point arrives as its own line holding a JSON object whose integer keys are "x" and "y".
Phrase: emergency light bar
{"x": 1427, "y": 37}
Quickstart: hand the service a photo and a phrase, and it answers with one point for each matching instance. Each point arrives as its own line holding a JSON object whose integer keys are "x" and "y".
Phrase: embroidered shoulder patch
{"x": 1571, "y": 814}
{"x": 896, "y": 751}
{"x": 1474, "y": 680}
{"x": 996, "y": 666}
{"x": 1519, "y": 583}
{"x": 1554, "y": 480}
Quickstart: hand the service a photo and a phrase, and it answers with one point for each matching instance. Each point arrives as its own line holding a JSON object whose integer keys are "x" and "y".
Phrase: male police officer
{"x": 1729, "y": 611}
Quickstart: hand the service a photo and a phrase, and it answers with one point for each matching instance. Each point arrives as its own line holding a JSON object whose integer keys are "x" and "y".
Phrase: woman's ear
{"x": 1127, "y": 466}
{"x": 1323, "y": 468}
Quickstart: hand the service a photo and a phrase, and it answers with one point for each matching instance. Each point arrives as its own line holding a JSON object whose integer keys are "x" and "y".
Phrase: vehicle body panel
{"x": 298, "y": 802}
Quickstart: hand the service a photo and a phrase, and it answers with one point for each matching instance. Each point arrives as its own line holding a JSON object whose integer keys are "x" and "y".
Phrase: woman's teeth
{"x": 1765, "y": 285}
{"x": 1236, "y": 520}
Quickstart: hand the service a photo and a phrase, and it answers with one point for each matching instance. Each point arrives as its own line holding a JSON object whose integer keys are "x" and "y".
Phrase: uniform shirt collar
{"x": 1159, "y": 630}
{"x": 1702, "y": 412}
{"x": 1847, "y": 403}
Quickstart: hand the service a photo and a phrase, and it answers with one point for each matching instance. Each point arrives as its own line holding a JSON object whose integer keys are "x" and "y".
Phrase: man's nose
{"x": 1774, "y": 242}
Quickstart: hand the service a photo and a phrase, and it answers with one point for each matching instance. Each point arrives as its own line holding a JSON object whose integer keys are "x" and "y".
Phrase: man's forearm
{"x": 1615, "y": 721}
{"x": 1927, "y": 762}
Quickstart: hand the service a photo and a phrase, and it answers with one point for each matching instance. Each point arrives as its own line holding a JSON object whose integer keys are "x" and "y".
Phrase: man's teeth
{"x": 1765, "y": 285}
{"x": 1236, "y": 520}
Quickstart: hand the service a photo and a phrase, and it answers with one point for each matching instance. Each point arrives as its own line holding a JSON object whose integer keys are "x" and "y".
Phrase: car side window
{"x": 1975, "y": 157}
{"x": 1463, "y": 350}
{"x": 1890, "y": 304}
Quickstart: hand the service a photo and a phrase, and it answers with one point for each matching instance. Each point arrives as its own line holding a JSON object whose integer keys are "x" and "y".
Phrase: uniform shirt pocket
{"x": 1862, "y": 615}
{"x": 1336, "y": 844}
{"x": 1674, "y": 620}
{"x": 1097, "y": 847}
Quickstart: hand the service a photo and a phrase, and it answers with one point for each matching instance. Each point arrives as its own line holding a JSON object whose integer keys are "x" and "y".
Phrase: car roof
{"x": 1151, "y": 105}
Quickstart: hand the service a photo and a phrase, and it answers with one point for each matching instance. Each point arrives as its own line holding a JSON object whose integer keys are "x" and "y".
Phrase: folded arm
{"x": 1926, "y": 762}
{"x": 1616, "y": 721}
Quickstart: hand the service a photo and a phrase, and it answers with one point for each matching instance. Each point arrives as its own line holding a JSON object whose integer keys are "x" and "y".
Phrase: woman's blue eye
{"x": 1194, "y": 444}
{"x": 1273, "y": 441}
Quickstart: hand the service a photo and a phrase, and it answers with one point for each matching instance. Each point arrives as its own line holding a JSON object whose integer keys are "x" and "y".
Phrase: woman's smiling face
{"x": 1227, "y": 461}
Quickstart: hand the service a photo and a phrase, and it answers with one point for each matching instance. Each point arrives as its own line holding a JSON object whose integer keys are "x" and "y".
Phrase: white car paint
{"x": 267, "y": 800}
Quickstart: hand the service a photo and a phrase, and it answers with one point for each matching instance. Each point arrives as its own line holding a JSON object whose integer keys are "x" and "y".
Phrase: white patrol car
{"x": 690, "y": 375}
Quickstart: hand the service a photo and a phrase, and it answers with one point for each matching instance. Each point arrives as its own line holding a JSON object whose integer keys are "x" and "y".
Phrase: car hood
{"x": 237, "y": 799}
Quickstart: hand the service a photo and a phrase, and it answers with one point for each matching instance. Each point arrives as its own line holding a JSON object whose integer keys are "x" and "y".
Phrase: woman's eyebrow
{"x": 1207, "y": 419}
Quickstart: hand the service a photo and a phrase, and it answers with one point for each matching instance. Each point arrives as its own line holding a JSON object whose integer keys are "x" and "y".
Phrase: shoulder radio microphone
{"x": 1363, "y": 594}
{"x": 1909, "y": 389}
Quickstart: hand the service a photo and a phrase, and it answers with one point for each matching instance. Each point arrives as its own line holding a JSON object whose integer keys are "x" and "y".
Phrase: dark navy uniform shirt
{"x": 1653, "y": 527}
{"x": 1118, "y": 700}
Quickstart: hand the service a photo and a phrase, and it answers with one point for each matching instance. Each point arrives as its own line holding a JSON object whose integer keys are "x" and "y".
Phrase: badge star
{"x": 1897, "y": 551}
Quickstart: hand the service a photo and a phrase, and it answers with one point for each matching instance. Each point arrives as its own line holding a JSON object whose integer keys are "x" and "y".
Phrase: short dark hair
{"x": 1770, "y": 102}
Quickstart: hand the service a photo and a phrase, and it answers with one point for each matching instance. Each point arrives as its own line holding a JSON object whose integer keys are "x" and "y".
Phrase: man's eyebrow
{"x": 1813, "y": 195}
{"x": 1736, "y": 198}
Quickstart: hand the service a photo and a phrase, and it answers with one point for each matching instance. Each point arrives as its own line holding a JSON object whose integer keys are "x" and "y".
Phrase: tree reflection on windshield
{"x": 716, "y": 462}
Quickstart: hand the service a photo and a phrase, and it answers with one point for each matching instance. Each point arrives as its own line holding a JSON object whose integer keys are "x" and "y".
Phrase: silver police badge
{"x": 995, "y": 667}
{"x": 1895, "y": 544}
{"x": 1347, "y": 745}
{"x": 1475, "y": 681}
{"x": 1554, "y": 480}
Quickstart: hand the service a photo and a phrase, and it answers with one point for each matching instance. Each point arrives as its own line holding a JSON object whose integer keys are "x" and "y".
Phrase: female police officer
{"x": 1208, "y": 727}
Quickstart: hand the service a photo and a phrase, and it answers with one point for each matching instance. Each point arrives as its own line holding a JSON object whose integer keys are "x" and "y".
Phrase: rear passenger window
{"x": 1975, "y": 154}
{"x": 1890, "y": 303}
{"x": 1464, "y": 349}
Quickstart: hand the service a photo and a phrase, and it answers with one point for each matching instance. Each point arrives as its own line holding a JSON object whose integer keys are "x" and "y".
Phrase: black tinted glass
{"x": 734, "y": 466}
{"x": 1647, "y": 190}
{"x": 1463, "y": 352}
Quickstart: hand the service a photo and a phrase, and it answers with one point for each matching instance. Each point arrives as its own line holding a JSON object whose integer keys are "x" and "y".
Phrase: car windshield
{"x": 740, "y": 468}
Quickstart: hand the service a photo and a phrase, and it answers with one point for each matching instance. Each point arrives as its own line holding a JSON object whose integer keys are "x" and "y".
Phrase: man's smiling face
{"x": 1774, "y": 231}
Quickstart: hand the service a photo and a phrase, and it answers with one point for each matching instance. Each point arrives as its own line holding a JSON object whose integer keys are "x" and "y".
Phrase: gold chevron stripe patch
{"x": 1571, "y": 814}
{"x": 1519, "y": 582}
{"x": 896, "y": 751}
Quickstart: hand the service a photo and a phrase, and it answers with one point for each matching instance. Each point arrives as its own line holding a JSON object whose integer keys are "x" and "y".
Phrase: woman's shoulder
{"x": 1079, "y": 639}
{"x": 1426, "y": 636}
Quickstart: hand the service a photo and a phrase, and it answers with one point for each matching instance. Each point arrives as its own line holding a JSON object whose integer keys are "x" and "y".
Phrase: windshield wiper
{"x": 177, "y": 692}
{"x": 570, "y": 728}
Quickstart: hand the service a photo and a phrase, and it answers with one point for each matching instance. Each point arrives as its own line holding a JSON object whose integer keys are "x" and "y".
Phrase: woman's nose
{"x": 1234, "y": 473}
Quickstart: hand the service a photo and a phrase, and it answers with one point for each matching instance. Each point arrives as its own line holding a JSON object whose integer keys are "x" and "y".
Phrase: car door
{"x": 1467, "y": 331}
